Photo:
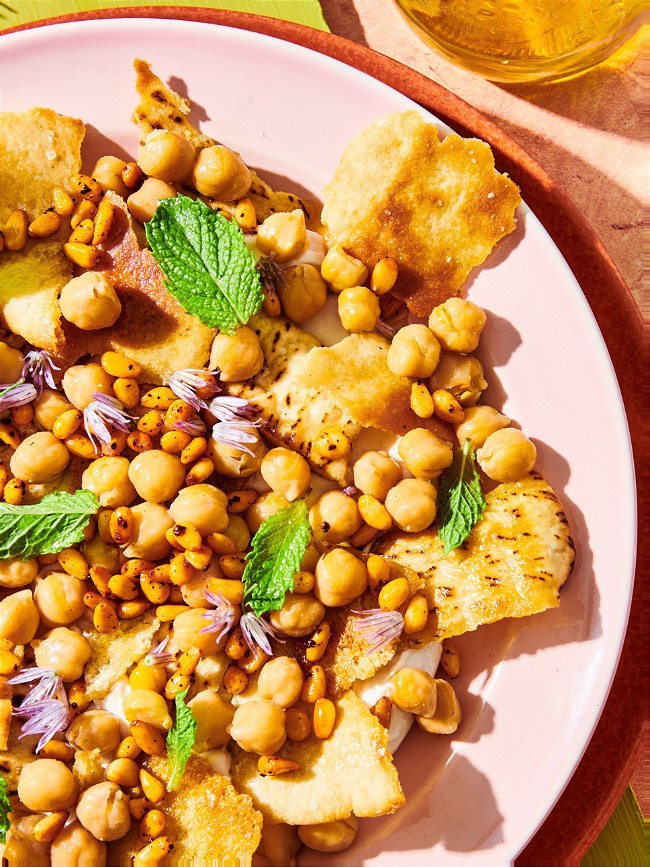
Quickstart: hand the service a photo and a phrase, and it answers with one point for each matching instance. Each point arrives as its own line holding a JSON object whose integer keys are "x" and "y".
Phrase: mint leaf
{"x": 57, "y": 522}
{"x": 180, "y": 740}
{"x": 5, "y": 809}
{"x": 277, "y": 551}
{"x": 460, "y": 499}
{"x": 208, "y": 267}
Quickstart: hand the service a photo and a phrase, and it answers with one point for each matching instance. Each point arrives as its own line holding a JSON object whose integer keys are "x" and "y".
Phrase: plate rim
{"x": 624, "y": 331}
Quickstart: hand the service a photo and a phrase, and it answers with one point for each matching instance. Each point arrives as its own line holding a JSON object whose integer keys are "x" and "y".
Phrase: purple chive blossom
{"x": 195, "y": 427}
{"x": 184, "y": 384}
{"x": 39, "y": 367}
{"x": 233, "y": 409}
{"x": 46, "y": 718}
{"x": 255, "y": 631}
{"x": 101, "y": 412}
{"x": 271, "y": 276}
{"x": 235, "y": 434}
{"x": 17, "y": 394}
{"x": 50, "y": 684}
{"x": 385, "y": 329}
{"x": 159, "y": 656}
{"x": 351, "y": 491}
{"x": 378, "y": 628}
{"x": 221, "y": 617}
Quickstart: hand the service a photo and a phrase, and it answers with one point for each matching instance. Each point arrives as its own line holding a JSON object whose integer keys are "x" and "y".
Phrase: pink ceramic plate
{"x": 532, "y": 691}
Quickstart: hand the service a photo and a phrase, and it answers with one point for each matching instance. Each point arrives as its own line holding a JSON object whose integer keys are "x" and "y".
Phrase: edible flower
{"x": 101, "y": 412}
{"x": 255, "y": 631}
{"x": 17, "y": 394}
{"x": 385, "y": 329}
{"x": 378, "y": 628}
{"x": 50, "y": 684}
{"x": 271, "y": 276}
{"x": 195, "y": 427}
{"x": 226, "y": 408}
{"x": 45, "y": 707}
{"x": 221, "y": 617}
{"x": 235, "y": 434}
{"x": 39, "y": 367}
{"x": 159, "y": 656}
{"x": 186, "y": 383}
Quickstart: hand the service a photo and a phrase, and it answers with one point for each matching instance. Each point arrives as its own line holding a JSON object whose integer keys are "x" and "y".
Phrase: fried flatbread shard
{"x": 207, "y": 820}
{"x": 350, "y": 772}
{"x": 113, "y": 655}
{"x": 513, "y": 564}
{"x": 436, "y": 207}
{"x": 304, "y": 388}
{"x": 38, "y": 150}
{"x": 160, "y": 108}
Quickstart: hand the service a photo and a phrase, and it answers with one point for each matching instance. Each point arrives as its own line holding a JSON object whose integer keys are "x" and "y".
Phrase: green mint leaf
{"x": 278, "y": 548}
{"x": 5, "y": 809}
{"x": 460, "y": 499}
{"x": 207, "y": 265}
{"x": 180, "y": 740}
{"x": 57, "y": 522}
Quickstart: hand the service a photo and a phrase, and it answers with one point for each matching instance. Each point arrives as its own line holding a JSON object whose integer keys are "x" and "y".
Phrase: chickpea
{"x": 461, "y": 375}
{"x": 108, "y": 479}
{"x": 235, "y": 463}
{"x": 330, "y": 836}
{"x": 340, "y": 578}
{"x": 414, "y": 691}
{"x": 39, "y": 458}
{"x": 341, "y": 270}
{"x": 280, "y": 681}
{"x": 143, "y": 202}
{"x": 300, "y": 614}
{"x": 166, "y": 156}
{"x": 236, "y": 356}
{"x": 358, "y": 309}
{"x": 192, "y": 590}
{"x": 334, "y": 517}
{"x": 83, "y": 380}
{"x": 90, "y": 301}
{"x": 75, "y": 846}
{"x": 221, "y": 174}
{"x": 263, "y": 508}
{"x": 259, "y": 727}
{"x": 156, "y": 475}
{"x": 19, "y": 617}
{"x": 22, "y": 849}
{"x": 414, "y": 351}
{"x": 47, "y": 785}
{"x": 15, "y": 573}
{"x": 11, "y": 364}
{"x": 49, "y": 406}
{"x": 375, "y": 473}
{"x": 312, "y": 556}
{"x": 279, "y": 844}
{"x": 107, "y": 171}
{"x": 147, "y": 706}
{"x": 479, "y": 423}
{"x": 187, "y": 633}
{"x": 424, "y": 453}
{"x": 103, "y": 809}
{"x": 412, "y": 504}
{"x": 286, "y": 472}
{"x": 103, "y": 554}
{"x": 95, "y": 729}
{"x": 238, "y": 531}
{"x": 150, "y": 523}
{"x": 63, "y": 650}
{"x": 59, "y": 598}
{"x": 507, "y": 455}
{"x": 283, "y": 235}
{"x": 457, "y": 324}
{"x": 304, "y": 294}
{"x": 201, "y": 505}
{"x": 213, "y": 716}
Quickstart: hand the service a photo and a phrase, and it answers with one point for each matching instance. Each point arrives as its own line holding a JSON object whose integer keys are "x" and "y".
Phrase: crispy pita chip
{"x": 513, "y": 564}
{"x": 39, "y": 149}
{"x": 113, "y": 655}
{"x": 436, "y": 208}
{"x": 161, "y": 108}
{"x": 350, "y": 772}
{"x": 88, "y": 768}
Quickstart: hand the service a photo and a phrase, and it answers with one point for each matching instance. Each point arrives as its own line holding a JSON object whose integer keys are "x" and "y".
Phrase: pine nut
{"x": 239, "y": 501}
{"x": 245, "y": 215}
{"x": 177, "y": 411}
{"x": 121, "y": 527}
{"x": 324, "y": 718}
{"x": 236, "y": 646}
{"x": 158, "y": 398}
{"x": 450, "y": 660}
{"x": 74, "y": 563}
{"x": 47, "y": 828}
{"x": 151, "y": 423}
{"x": 364, "y": 536}
{"x": 315, "y": 685}
{"x": 153, "y": 852}
{"x": 421, "y": 400}
{"x": 153, "y": 789}
{"x": 82, "y": 233}
{"x": 130, "y": 610}
{"x": 14, "y": 492}
{"x": 9, "y": 435}
{"x": 135, "y": 567}
{"x": 124, "y": 772}
{"x": 104, "y": 525}
{"x": 447, "y": 407}
{"x": 383, "y": 276}
{"x": 332, "y": 443}
{"x": 151, "y": 826}
{"x": 187, "y": 662}
{"x": 147, "y": 738}
{"x": 253, "y": 660}
{"x": 131, "y": 175}
{"x": 416, "y": 614}
{"x": 105, "y": 618}
{"x": 374, "y": 513}
{"x": 116, "y": 444}
{"x": 15, "y": 231}
{"x": 155, "y": 591}
{"x": 128, "y": 749}
{"x": 174, "y": 441}
{"x": 67, "y": 423}
{"x": 394, "y": 594}
{"x": 81, "y": 446}
{"x": 124, "y": 588}
{"x": 168, "y": 613}
{"x": 303, "y": 582}
{"x": 230, "y": 588}
{"x": 22, "y": 415}
{"x": 118, "y": 365}
{"x": 139, "y": 441}
{"x": 200, "y": 558}
{"x": 187, "y": 536}
{"x": 45, "y": 225}
{"x": 233, "y": 565}
{"x": 200, "y": 472}
{"x": 138, "y": 807}
{"x": 59, "y": 750}
{"x": 83, "y": 210}
{"x": 194, "y": 450}
{"x": 86, "y": 188}
{"x": 103, "y": 221}
{"x": 177, "y": 683}
{"x": 127, "y": 391}
{"x": 297, "y": 724}
{"x": 180, "y": 571}
{"x": 221, "y": 544}
{"x": 273, "y": 766}
{"x": 317, "y": 644}
{"x": 378, "y": 572}
{"x": 77, "y": 696}
{"x": 63, "y": 203}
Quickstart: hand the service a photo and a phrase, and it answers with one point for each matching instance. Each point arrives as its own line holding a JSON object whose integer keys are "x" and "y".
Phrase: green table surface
{"x": 625, "y": 840}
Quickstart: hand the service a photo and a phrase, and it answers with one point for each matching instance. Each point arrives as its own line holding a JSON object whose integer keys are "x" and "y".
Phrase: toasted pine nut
{"x": 450, "y": 660}
{"x": 67, "y": 423}
{"x": 447, "y": 407}
{"x": 177, "y": 683}
{"x": 245, "y": 215}
{"x": 47, "y": 828}
{"x": 233, "y": 565}
{"x": 303, "y": 582}
{"x": 92, "y": 599}
{"x": 421, "y": 400}
{"x": 155, "y": 591}
{"x": 9, "y": 435}
{"x": 174, "y": 441}
{"x": 317, "y": 644}
{"x": 15, "y": 230}
{"x": 297, "y": 724}
{"x": 86, "y": 188}
{"x": 383, "y": 709}
{"x": 45, "y": 225}
{"x": 128, "y": 749}
{"x": 151, "y": 826}
{"x": 315, "y": 685}
{"x": 273, "y": 766}
{"x": 158, "y": 398}
{"x": 235, "y": 680}
{"x": 179, "y": 410}
{"x": 83, "y": 210}
{"x": 133, "y": 608}
{"x": 236, "y": 646}
{"x": 230, "y": 588}
{"x": 116, "y": 444}
{"x": 153, "y": 789}
{"x": 124, "y": 772}
{"x": 121, "y": 527}
{"x": 156, "y": 850}
{"x": 324, "y": 718}
{"x": 374, "y": 513}
{"x": 378, "y": 572}
{"x": 253, "y": 660}
{"x": 118, "y": 365}
{"x": 124, "y": 588}
{"x": 134, "y": 567}
{"x": 364, "y": 536}
{"x": 74, "y": 563}
{"x": 127, "y": 391}
{"x": 138, "y": 807}
{"x": 131, "y": 175}
{"x": 271, "y": 304}
{"x": 81, "y": 446}
{"x": 103, "y": 221}
{"x": 62, "y": 201}
{"x": 139, "y": 441}
{"x": 416, "y": 614}
{"x": 77, "y": 696}
{"x": 4, "y": 475}
{"x": 180, "y": 571}
{"x": 21, "y": 415}
{"x": 394, "y": 594}
{"x": 100, "y": 578}
{"x": 187, "y": 662}
{"x": 82, "y": 233}
{"x": 201, "y": 471}
{"x": 383, "y": 276}
{"x": 147, "y": 738}
{"x": 241, "y": 500}
{"x": 194, "y": 450}
{"x": 167, "y": 613}
{"x": 159, "y": 573}
{"x": 9, "y": 663}
{"x": 59, "y": 750}
{"x": 105, "y": 618}
{"x": 14, "y": 492}
{"x": 200, "y": 558}
{"x": 151, "y": 423}
{"x": 332, "y": 443}
{"x": 104, "y": 525}
{"x": 187, "y": 536}
{"x": 90, "y": 528}
{"x": 221, "y": 544}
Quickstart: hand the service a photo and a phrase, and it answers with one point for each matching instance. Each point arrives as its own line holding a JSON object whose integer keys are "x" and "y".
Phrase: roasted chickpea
{"x": 263, "y": 508}
{"x": 108, "y": 479}
{"x": 358, "y": 309}
{"x": 342, "y": 270}
{"x": 63, "y": 650}
{"x": 457, "y": 323}
{"x": 75, "y": 846}
{"x": 59, "y": 598}
{"x": 340, "y": 578}
{"x": 279, "y": 844}
{"x": 90, "y": 301}
{"x": 83, "y": 380}
{"x": 204, "y": 506}
{"x": 95, "y": 729}
{"x": 414, "y": 691}
{"x": 300, "y": 614}
{"x": 236, "y": 356}
{"x": 424, "y": 453}
{"x": 150, "y": 523}
{"x": 46, "y": 785}
{"x": 11, "y": 364}
{"x": 166, "y": 156}
{"x": 414, "y": 351}
{"x": 507, "y": 455}
{"x": 375, "y": 473}
{"x": 39, "y": 458}
{"x": 22, "y": 848}
{"x": 107, "y": 171}
{"x": 15, "y": 573}
{"x": 330, "y": 836}
{"x": 412, "y": 504}
{"x": 334, "y": 517}
{"x": 236, "y": 463}
{"x": 286, "y": 472}
{"x": 187, "y": 633}
{"x": 157, "y": 476}
{"x": 304, "y": 293}
{"x": 148, "y": 707}
{"x": 19, "y": 617}
{"x": 259, "y": 727}
{"x": 143, "y": 202}
{"x": 103, "y": 809}
{"x": 221, "y": 174}
{"x": 238, "y": 531}
{"x": 283, "y": 235}
{"x": 479, "y": 423}
{"x": 213, "y": 716}
{"x": 49, "y": 406}
{"x": 280, "y": 681}
{"x": 460, "y": 375}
